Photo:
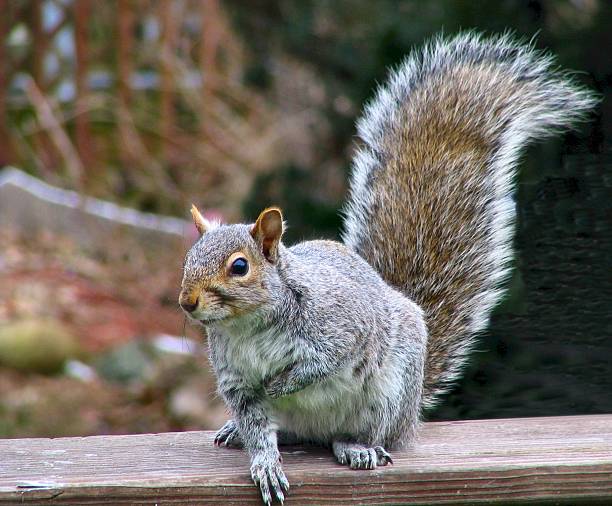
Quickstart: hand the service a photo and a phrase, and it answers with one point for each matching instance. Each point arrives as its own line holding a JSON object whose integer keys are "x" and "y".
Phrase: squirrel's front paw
{"x": 278, "y": 385}
{"x": 267, "y": 472}
{"x": 228, "y": 435}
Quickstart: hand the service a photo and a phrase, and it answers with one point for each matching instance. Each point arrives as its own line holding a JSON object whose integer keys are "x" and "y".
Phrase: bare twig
{"x": 58, "y": 135}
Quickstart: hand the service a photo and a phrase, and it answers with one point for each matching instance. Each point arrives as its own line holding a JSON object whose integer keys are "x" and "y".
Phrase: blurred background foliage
{"x": 239, "y": 104}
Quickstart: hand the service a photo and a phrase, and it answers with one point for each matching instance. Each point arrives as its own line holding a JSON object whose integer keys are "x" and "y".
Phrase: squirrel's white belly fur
{"x": 311, "y": 412}
{"x": 336, "y": 406}
{"x": 324, "y": 410}
{"x": 259, "y": 355}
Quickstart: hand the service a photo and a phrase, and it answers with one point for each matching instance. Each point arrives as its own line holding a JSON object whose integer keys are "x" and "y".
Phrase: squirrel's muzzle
{"x": 188, "y": 301}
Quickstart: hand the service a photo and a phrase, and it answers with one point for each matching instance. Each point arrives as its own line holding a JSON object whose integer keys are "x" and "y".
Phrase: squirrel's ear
{"x": 268, "y": 230}
{"x": 201, "y": 223}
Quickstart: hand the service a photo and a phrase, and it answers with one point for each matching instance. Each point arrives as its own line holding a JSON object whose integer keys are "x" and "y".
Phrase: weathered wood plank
{"x": 562, "y": 460}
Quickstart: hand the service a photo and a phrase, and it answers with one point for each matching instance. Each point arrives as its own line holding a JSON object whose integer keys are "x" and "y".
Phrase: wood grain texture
{"x": 561, "y": 460}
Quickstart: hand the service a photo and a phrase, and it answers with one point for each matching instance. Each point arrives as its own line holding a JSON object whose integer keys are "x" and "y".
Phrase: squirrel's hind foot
{"x": 357, "y": 456}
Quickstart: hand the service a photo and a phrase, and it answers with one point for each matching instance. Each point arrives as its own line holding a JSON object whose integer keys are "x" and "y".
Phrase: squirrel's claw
{"x": 271, "y": 480}
{"x": 357, "y": 456}
{"x": 228, "y": 435}
{"x": 382, "y": 457}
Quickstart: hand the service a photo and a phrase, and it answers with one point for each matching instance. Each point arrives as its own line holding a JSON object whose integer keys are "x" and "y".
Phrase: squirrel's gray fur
{"x": 344, "y": 345}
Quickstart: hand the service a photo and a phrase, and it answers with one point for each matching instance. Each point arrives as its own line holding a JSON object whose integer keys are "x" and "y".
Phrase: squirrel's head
{"x": 230, "y": 271}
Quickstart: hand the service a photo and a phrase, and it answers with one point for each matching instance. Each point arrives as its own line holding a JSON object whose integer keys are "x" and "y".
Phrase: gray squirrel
{"x": 344, "y": 344}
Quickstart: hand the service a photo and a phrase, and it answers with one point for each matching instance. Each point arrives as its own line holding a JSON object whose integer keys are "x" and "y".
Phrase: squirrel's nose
{"x": 190, "y": 308}
{"x": 189, "y": 305}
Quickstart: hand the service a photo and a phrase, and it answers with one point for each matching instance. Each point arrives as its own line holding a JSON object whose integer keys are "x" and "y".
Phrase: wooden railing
{"x": 563, "y": 460}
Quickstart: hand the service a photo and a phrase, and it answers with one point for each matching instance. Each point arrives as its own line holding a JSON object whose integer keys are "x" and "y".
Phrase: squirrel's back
{"x": 431, "y": 204}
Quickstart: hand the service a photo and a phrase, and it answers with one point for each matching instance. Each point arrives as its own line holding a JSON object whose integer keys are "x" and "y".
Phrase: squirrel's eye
{"x": 239, "y": 267}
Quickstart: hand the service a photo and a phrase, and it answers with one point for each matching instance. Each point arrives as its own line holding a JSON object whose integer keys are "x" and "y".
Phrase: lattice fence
{"x": 152, "y": 89}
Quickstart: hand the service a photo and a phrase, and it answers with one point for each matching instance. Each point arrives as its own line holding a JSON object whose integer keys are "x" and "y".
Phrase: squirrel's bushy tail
{"x": 431, "y": 204}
